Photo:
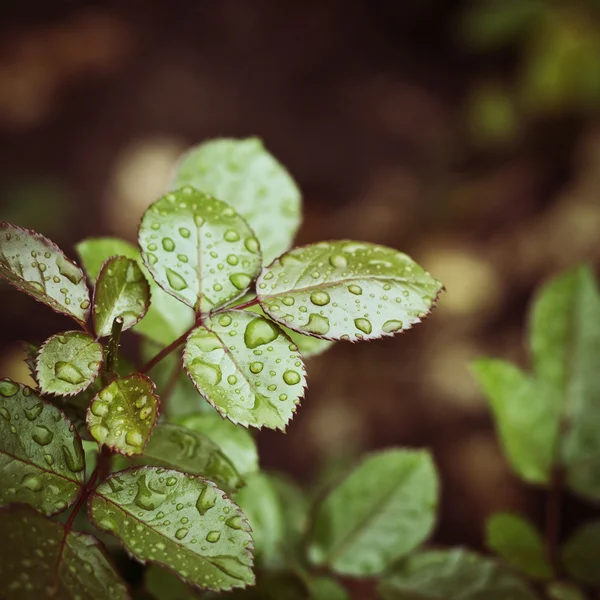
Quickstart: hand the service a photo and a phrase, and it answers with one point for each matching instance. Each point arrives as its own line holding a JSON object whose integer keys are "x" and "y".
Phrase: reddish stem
{"x": 164, "y": 353}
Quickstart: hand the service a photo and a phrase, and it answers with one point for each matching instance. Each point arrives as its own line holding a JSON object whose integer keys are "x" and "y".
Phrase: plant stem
{"x": 553, "y": 510}
{"x": 164, "y": 352}
{"x": 112, "y": 350}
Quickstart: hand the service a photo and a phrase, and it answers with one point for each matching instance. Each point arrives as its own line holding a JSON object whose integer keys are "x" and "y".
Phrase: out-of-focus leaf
{"x": 41, "y": 458}
{"x": 520, "y": 544}
{"x": 235, "y": 442}
{"x": 247, "y": 368}
{"x": 452, "y": 575}
{"x": 123, "y": 414}
{"x": 38, "y": 267}
{"x": 68, "y": 363}
{"x": 564, "y": 591}
{"x": 164, "y": 585}
{"x": 166, "y": 318}
{"x": 178, "y": 521}
{"x": 180, "y": 448}
{"x": 246, "y": 176}
{"x": 121, "y": 291}
{"x": 326, "y": 290}
{"x": 382, "y": 511}
{"x": 580, "y": 554}
{"x": 39, "y": 559}
{"x": 527, "y": 417}
{"x": 183, "y": 234}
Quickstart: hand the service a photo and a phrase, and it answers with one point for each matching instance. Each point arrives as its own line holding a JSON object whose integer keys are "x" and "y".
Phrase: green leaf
{"x": 198, "y": 249}
{"x": 565, "y": 344}
{"x": 176, "y": 447}
{"x": 307, "y": 344}
{"x": 41, "y": 458}
{"x": 261, "y": 504}
{"x": 121, "y": 291}
{"x": 564, "y": 591}
{"x": 580, "y": 554}
{"x": 36, "y": 266}
{"x": 123, "y": 414}
{"x": 179, "y": 521}
{"x": 346, "y": 290}
{"x": 382, "y": 511}
{"x": 325, "y": 588}
{"x": 166, "y": 318}
{"x": 164, "y": 585}
{"x": 246, "y": 176}
{"x": 247, "y": 368}
{"x": 68, "y": 363}
{"x": 235, "y": 442}
{"x": 520, "y": 544}
{"x": 31, "y": 352}
{"x": 40, "y": 559}
{"x": 452, "y": 575}
{"x": 527, "y": 417}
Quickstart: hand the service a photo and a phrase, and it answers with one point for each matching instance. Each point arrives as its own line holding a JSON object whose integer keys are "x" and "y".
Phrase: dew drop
{"x": 182, "y": 257}
{"x": 85, "y": 305}
{"x": 184, "y": 232}
{"x": 69, "y": 270}
{"x": 206, "y": 500}
{"x": 320, "y": 298}
{"x": 8, "y": 388}
{"x": 232, "y": 379}
{"x": 42, "y": 435}
{"x": 240, "y": 280}
{"x": 32, "y": 482}
{"x": 134, "y": 438}
{"x": 259, "y": 332}
{"x": 171, "y": 481}
{"x": 291, "y": 377}
{"x": 74, "y": 459}
{"x": 49, "y": 459}
{"x": 34, "y": 411}
{"x": 317, "y": 324}
{"x": 4, "y": 414}
{"x": 231, "y": 236}
{"x": 68, "y": 372}
{"x": 224, "y": 320}
{"x": 288, "y": 301}
{"x": 213, "y": 536}
{"x": 147, "y": 498}
{"x": 99, "y": 408}
{"x": 99, "y": 432}
{"x": 338, "y": 260}
{"x": 206, "y": 372}
{"x": 181, "y": 533}
{"x": 235, "y": 522}
{"x": 232, "y": 260}
{"x": 392, "y": 325}
{"x": 206, "y": 341}
{"x": 251, "y": 245}
{"x": 364, "y": 325}
{"x": 256, "y": 367}
{"x": 176, "y": 281}
{"x": 355, "y": 289}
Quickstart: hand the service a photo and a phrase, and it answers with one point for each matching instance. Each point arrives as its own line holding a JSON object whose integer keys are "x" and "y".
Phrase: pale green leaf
{"x": 452, "y": 575}
{"x": 121, "y": 291}
{"x": 166, "y": 318}
{"x": 243, "y": 173}
{"x": 520, "y": 544}
{"x": 346, "y": 290}
{"x": 41, "y": 458}
{"x": 235, "y": 442}
{"x": 176, "y": 447}
{"x": 382, "y": 511}
{"x": 179, "y": 521}
{"x": 308, "y": 345}
{"x": 580, "y": 554}
{"x": 39, "y": 559}
{"x": 35, "y": 265}
{"x": 261, "y": 505}
{"x": 247, "y": 368}
{"x": 527, "y": 417}
{"x": 68, "y": 363}
{"x": 565, "y": 344}
{"x": 198, "y": 249}
{"x": 561, "y": 590}
{"x": 122, "y": 415}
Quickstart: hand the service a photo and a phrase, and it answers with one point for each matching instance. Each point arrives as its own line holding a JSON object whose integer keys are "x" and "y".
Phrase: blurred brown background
{"x": 463, "y": 133}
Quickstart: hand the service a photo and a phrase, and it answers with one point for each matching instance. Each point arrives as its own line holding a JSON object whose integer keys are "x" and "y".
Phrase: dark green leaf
{"x": 68, "y": 363}
{"x": 347, "y": 291}
{"x": 564, "y": 591}
{"x": 166, "y": 318}
{"x": 179, "y": 521}
{"x": 35, "y": 265}
{"x": 123, "y": 414}
{"x": 520, "y": 544}
{"x": 247, "y": 368}
{"x": 325, "y": 588}
{"x": 565, "y": 344}
{"x": 41, "y": 458}
{"x": 39, "y": 559}
{"x": 235, "y": 442}
{"x": 526, "y": 416}
{"x": 198, "y": 249}
{"x": 452, "y": 575}
{"x": 164, "y": 585}
{"x": 246, "y": 176}
{"x": 382, "y": 511}
{"x": 580, "y": 554}
{"x": 176, "y": 447}
{"x": 121, "y": 291}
